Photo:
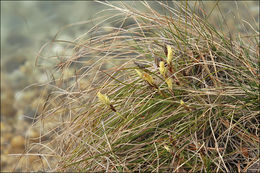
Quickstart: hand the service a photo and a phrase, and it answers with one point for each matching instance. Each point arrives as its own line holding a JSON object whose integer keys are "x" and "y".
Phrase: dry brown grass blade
{"x": 247, "y": 137}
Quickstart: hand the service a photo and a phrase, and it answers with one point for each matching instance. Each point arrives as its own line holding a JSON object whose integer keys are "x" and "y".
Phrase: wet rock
{"x": 5, "y": 128}
{"x": 18, "y": 40}
{"x": 27, "y": 68}
{"x": 21, "y": 125}
{"x": 33, "y": 135}
{"x": 8, "y": 136}
{"x": 7, "y": 108}
{"x": 18, "y": 142}
{"x": 13, "y": 63}
{"x": 7, "y": 101}
{"x": 4, "y": 160}
{"x": 24, "y": 100}
{"x": 18, "y": 80}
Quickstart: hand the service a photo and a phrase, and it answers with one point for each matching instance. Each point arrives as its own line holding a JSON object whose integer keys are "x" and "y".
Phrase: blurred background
{"x": 27, "y": 25}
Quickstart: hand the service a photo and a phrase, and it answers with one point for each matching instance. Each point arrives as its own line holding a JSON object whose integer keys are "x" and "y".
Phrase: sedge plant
{"x": 167, "y": 92}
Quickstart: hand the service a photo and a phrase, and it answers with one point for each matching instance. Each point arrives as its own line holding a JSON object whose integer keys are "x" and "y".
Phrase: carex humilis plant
{"x": 163, "y": 91}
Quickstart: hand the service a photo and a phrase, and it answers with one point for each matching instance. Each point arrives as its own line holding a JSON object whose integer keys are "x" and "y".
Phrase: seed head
{"x": 162, "y": 69}
{"x": 169, "y": 82}
{"x": 139, "y": 73}
{"x": 103, "y": 99}
{"x": 170, "y": 54}
{"x": 167, "y": 148}
{"x": 148, "y": 78}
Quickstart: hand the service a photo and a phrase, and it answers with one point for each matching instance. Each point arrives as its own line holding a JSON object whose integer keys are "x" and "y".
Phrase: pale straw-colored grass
{"x": 208, "y": 121}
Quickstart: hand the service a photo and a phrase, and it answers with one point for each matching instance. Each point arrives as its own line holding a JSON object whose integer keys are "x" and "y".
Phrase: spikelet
{"x": 148, "y": 78}
{"x": 140, "y": 74}
{"x": 103, "y": 99}
{"x": 185, "y": 106}
{"x": 162, "y": 69}
{"x": 169, "y": 82}
{"x": 170, "y": 54}
{"x": 167, "y": 148}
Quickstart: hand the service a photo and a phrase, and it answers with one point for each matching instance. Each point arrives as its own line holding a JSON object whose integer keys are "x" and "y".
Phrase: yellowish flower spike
{"x": 170, "y": 54}
{"x": 103, "y": 98}
{"x": 162, "y": 69}
{"x": 169, "y": 82}
{"x": 148, "y": 78}
{"x": 167, "y": 148}
{"x": 185, "y": 106}
{"x": 139, "y": 73}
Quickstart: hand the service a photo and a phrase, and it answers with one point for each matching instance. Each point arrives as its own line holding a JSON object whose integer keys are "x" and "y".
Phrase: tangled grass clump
{"x": 174, "y": 94}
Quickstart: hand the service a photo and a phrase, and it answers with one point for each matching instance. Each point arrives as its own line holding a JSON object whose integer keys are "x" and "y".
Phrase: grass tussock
{"x": 162, "y": 93}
